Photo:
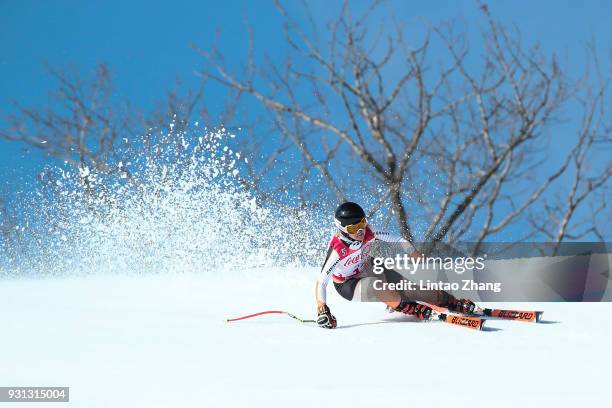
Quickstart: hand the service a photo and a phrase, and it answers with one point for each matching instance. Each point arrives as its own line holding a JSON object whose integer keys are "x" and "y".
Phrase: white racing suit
{"x": 349, "y": 261}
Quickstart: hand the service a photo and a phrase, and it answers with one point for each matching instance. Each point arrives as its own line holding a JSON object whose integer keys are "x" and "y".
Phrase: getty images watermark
{"x": 408, "y": 264}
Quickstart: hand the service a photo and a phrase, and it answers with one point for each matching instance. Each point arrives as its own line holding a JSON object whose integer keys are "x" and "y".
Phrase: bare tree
{"x": 453, "y": 141}
{"x": 82, "y": 125}
{"x": 94, "y": 131}
{"x": 589, "y": 171}
{"x": 450, "y": 139}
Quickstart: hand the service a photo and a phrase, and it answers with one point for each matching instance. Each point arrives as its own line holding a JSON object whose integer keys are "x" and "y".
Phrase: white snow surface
{"x": 162, "y": 341}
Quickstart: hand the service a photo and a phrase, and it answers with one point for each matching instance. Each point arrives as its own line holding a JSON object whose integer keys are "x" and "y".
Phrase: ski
{"x": 444, "y": 315}
{"x": 469, "y": 322}
{"x": 530, "y": 316}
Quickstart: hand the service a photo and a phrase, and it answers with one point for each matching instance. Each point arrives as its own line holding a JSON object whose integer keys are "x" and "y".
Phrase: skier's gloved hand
{"x": 325, "y": 319}
{"x": 418, "y": 310}
{"x": 465, "y": 306}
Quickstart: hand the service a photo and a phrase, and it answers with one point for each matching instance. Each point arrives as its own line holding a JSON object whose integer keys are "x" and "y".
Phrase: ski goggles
{"x": 354, "y": 228}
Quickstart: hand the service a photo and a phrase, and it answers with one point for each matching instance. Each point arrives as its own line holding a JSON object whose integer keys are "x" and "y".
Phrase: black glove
{"x": 325, "y": 319}
{"x": 465, "y": 306}
{"x": 418, "y": 310}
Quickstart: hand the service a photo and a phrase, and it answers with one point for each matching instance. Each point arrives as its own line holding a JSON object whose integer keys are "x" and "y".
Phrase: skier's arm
{"x": 324, "y": 317}
{"x": 331, "y": 260}
{"x": 320, "y": 293}
{"x": 395, "y": 239}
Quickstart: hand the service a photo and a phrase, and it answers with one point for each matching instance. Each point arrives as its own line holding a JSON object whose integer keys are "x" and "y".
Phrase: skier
{"x": 349, "y": 265}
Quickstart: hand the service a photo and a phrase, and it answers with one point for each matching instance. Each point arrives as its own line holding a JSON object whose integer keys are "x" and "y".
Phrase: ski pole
{"x": 270, "y": 312}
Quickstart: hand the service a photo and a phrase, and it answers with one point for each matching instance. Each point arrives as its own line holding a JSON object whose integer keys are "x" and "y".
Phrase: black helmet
{"x": 348, "y": 213}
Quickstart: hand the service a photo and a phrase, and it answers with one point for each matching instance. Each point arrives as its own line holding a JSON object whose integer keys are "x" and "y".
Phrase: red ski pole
{"x": 270, "y": 312}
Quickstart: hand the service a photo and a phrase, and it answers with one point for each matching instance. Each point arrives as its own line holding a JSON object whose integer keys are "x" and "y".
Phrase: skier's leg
{"x": 347, "y": 288}
{"x": 394, "y": 299}
{"x": 365, "y": 289}
{"x": 359, "y": 289}
{"x": 362, "y": 289}
{"x": 432, "y": 297}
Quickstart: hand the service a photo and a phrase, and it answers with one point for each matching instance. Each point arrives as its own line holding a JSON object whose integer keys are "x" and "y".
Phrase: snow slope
{"x": 134, "y": 315}
{"x": 162, "y": 341}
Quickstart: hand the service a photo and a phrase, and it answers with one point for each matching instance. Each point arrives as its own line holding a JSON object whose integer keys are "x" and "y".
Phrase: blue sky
{"x": 148, "y": 45}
